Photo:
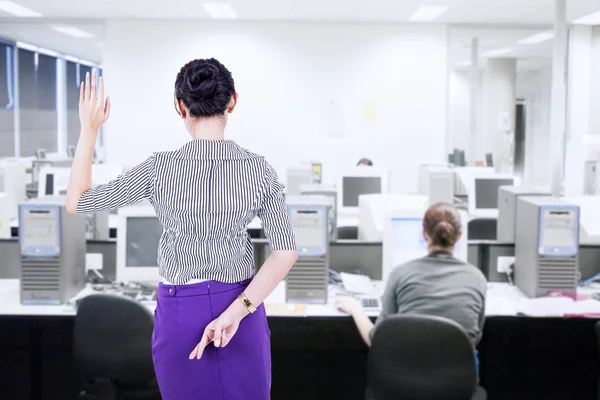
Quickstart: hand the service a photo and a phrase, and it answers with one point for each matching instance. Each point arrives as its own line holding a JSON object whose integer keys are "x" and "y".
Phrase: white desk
{"x": 10, "y": 304}
{"x": 502, "y": 300}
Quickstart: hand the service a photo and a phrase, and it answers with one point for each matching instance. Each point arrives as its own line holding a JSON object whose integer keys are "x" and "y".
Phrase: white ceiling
{"x": 531, "y": 56}
{"x": 90, "y": 16}
{"x": 460, "y": 11}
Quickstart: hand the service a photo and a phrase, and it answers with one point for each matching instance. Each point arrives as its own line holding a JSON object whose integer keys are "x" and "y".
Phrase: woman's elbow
{"x": 287, "y": 257}
{"x": 71, "y": 205}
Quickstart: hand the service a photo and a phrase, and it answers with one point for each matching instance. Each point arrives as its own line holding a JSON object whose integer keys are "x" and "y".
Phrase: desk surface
{"x": 10, "y": 304}
{"x": 502, "y": 300}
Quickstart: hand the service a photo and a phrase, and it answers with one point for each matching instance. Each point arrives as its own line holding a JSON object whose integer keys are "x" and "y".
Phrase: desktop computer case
{"x": 536, "y": 274}
{"x": 308, "y": 279}
{"x": 56, "y": 279}
{"x": 507, "y": 210}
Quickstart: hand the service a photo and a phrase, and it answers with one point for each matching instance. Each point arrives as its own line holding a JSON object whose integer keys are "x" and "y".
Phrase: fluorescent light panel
{"x": 592, "y": 19}
{"x": 19, "y": 11}
{"x": 220, "y": 10}
{"x": 537, "y": 38}
{"x": 428, "y": 13}
{"x": 497, "y": 52}
{"x": 72, "y": 31}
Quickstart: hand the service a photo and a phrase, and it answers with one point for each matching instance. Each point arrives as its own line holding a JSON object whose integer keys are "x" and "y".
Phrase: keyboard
{"x": 370, "y": 303}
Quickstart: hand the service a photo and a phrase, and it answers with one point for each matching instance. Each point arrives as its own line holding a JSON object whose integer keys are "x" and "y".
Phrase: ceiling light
{"x": 19, "y": 11}
{"x": 497, "y": 52}
{"x": 592, "y": 19}
{"x": 428, "y": 13}
{"x": 220, "y": 10}
{"x": 72, "y": 31}
{"x": 537, "y": 38}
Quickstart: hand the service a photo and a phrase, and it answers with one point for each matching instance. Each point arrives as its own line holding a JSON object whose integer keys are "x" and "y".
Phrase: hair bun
{"x": 445, "y": 233}
{"x": 202, "y": 80}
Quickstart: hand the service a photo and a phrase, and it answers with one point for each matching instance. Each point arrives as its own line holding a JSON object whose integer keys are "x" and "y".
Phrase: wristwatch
{"x": 247, "y": 303}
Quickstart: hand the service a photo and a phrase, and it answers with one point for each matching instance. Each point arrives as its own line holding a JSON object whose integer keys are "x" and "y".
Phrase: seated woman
{"x": 437, "y": 284}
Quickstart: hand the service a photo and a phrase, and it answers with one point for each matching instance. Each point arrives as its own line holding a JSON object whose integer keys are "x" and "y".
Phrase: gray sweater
{"x": 438, "y": 285}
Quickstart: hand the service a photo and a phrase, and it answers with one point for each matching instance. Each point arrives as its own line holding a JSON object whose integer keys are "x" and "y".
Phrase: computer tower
{"x": 52, "y": 246}
{"x": 546, "y": 246}
{"x": 308, "y": 279}
{"x": 507, "y": 210}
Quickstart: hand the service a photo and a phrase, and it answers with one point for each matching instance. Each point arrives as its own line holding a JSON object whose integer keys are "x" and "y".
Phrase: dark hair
{"x": 442, "y": 224}
{"x": 364, "y": 161}
{"x": 205, "y": 87}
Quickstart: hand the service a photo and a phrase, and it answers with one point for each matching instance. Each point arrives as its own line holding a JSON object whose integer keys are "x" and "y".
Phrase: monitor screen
{"x": 408, "y": 243}
{"x": 486, "y": 192}
{"x": 143, "y": 235}
{"x": 354, "y": 186}
{"x": 49, "y": 189}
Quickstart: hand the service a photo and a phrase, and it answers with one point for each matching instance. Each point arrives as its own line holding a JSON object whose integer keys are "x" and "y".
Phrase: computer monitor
{"x": 374, "y": 208}
{"x": 53, "y": 181}
{"x": 137, "y": 244}
{"x": 403, "y": 240}
{"x": 484, "y": 193}
{"x": 358, "y": 181}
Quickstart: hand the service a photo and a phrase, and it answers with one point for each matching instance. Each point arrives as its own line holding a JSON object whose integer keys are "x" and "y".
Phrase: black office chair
{"x": 347, "y": 232}
{"x": 421, "y": 358}
{"x": 112, "y": 348}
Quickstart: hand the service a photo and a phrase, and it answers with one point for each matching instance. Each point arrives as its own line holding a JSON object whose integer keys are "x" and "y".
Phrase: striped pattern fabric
{"x": 205, "y": 194}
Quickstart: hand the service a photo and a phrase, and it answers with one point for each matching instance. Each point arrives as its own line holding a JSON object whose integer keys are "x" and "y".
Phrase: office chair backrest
{"x": 421, "y": 358}
{"x": 112, "y": 339}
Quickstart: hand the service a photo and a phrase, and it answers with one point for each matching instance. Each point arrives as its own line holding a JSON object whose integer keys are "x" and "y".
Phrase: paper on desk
{"x": 557, "y": 307}
{"x": 359, "y": 284}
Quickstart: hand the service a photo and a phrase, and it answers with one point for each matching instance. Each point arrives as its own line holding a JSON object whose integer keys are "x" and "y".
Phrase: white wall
{"x": 579, "y": 83}
{"x": 595, "y": 77}
{"x": 328, "y": 92}
{"x": 535, "y": 88}
{"x": 498, "y": 110}
{"x": 459, "y": 130}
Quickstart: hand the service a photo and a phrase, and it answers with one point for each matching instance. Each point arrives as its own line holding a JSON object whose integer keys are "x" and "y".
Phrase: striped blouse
{"x": 205, "y": 194}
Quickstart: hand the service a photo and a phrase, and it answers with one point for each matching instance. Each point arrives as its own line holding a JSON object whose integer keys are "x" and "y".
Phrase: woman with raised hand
{"x": 211, "y": 339}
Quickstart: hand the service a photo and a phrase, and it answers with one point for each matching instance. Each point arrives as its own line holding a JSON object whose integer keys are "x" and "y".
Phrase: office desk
{"x": 319, "y": 354}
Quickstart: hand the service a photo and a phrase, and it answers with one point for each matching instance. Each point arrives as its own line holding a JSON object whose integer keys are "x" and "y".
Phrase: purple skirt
{"x": 239, "y": 371}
